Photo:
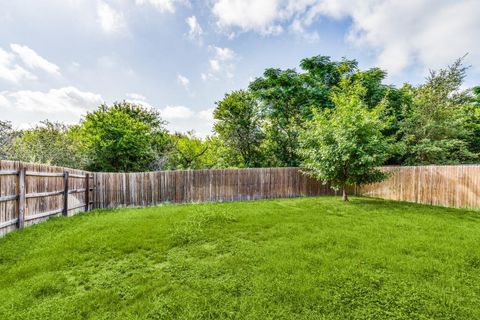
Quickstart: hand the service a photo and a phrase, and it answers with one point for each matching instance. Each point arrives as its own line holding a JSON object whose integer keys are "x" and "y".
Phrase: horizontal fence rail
{"x": 31, "y": 193}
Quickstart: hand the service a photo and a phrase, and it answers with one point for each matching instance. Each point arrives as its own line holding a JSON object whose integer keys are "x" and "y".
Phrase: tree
{"x": 188, "y": 152}
{"x": 472, "y": 125}
{"x": 342, "y": 146}
{"x": 238, "y": 127}
{"x": 435, "y": 128}
{"x": 123, "y": 137}
{"x": 289, "y": 98}
{"x": 49, "y": 143}
{"x": 6, "y": 136}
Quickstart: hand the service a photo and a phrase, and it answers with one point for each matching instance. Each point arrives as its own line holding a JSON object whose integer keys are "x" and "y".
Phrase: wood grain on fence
{"x": 31, "y": 193}
{"x": 455, "y": 186}
{"x": 114, "y": 190}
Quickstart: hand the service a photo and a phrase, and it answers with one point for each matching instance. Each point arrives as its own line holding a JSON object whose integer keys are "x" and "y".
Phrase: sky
{"x": 60, "y": 59}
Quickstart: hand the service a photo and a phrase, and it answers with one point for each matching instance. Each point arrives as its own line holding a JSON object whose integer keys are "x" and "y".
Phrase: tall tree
{"x": 238, "y": 127}
{"x": 342, "y": 146}
{"x": 434, "y": 129}
{"x": 288, "y": 99}
{"x": 124, "y": 137}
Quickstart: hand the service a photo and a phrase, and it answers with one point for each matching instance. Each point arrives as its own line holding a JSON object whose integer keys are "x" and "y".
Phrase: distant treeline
{"x": 263, "y": 125}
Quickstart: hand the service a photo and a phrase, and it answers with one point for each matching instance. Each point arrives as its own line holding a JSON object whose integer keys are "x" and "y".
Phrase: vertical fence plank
{"x": 455, "y": 186}
{"x": 65, "y": 193}
{"x": 87, "y": 191}
{"x": 21, "y": 197}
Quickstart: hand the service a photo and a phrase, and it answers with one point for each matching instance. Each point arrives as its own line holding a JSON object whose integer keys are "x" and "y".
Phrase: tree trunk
{"x": 344, "y": 193}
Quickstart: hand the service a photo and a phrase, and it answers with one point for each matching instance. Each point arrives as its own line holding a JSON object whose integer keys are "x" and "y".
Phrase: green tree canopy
{"x": 123, "y": 137}
{"x": 49, "y": 143}
{"x": 435, "y": 128}
{"x": 6, "y": 136}
{"x": 342, "y": 146}
{"x": 188, "y": 152}
{"x": 238, "y": 125}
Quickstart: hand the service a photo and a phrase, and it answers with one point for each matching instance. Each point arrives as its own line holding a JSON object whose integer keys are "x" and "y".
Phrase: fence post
{"x": 21, "y": 197}
{"x": 87, "y": 191}
{"x": 65, "y": 193}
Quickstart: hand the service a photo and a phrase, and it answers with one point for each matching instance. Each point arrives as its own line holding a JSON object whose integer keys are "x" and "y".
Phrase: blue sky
{"x": 61, "y": 58}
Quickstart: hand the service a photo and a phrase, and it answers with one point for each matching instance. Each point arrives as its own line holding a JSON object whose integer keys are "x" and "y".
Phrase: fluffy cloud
{"x": 195, "y": 30}
{"x": 17, "y": 65}
{"x": 162, "y": 5}
{"x": 64, "y": 104}
{"x": 248, "y": 15}
{"x": 400, "y": 34}
{"x": 10, "y": 71}
{"x": 182, "y": 80}
{"x": 136, "y": 96}
{"x": 221, "y": 64}
{"x": 176, "y": 112}
{"x": 111, "y": 21}
{"x": 432, "y": 32}
{"x": 34, "y": 61}
{"x": 183, "y": 119}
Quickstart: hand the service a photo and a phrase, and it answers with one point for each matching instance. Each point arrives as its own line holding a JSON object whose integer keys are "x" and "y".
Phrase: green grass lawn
{"x": 307, "y": 258}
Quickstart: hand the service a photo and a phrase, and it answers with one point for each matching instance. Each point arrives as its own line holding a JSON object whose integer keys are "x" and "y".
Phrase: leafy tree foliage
{"x": 188, "y": 152}
{"x": 238, "y": 125}
{"x": 123, "y": 137}
{"x": 435, "y": 128}
{"x": 6, "y": 135}
{"x": 268, "y": 124}
{"x": 288, "y": 98}
{"x": 343, "y": 145}
{"x": 49, "y": 143}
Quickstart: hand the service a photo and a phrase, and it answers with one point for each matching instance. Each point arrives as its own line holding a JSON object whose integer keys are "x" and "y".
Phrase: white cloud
{"x": 195, "y": 30}
{"x": 223, "y": 54}
{"x": 184, "y": 81}
{"x": 176, "y": 112}
{"x": 34, "y": 61}
{"x": 136, "y": 96}
{"x": 221, "y": 64}
{"x": 183, "y": 119}
{"x": 163, "y": 5}
{"x": 10, "y": 71}
{"x": 111, "y": 21}
{"x": 248, "y": 15}
{"x": 215, "y": 65}
{"x": 431, "y": 33}
{"x": 66, "y": 104}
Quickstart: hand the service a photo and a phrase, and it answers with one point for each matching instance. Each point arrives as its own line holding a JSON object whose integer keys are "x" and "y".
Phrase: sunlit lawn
{"x": 308, "y": 258}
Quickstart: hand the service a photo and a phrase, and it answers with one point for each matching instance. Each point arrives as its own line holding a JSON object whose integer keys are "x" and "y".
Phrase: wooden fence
{"x": 30, "y": 193}
{"x": 449, "y": 186}
{"x": 114, "y": 190}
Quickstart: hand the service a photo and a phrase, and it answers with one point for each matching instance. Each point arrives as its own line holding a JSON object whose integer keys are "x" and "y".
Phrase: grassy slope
{"x": 310, "y": 258}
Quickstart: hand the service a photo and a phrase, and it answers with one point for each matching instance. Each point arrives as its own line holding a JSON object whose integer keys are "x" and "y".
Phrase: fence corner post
{"x": 65, "y": 193}
{"x": 21, "y": 197}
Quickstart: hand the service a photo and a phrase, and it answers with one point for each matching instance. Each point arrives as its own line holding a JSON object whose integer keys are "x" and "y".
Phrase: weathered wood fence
{"x": 450, "y": 186}
{"x": 140, "y": 189}
{"x": 30, "y": 193}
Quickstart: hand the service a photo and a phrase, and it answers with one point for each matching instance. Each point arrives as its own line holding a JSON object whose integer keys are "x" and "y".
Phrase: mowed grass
{"x": 308, "y": 258}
